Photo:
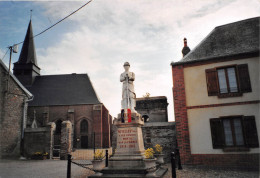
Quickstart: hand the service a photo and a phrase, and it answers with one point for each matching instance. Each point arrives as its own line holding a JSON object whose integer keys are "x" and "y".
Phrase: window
{"x": 228, "y": 81}
{"x": 234, "y": 132}
{"x": 58, "y": 126}
{"x": 84, "y": 126}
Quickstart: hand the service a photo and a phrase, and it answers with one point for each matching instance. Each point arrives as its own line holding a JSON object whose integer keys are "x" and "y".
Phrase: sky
{"x": 99, "y": 38}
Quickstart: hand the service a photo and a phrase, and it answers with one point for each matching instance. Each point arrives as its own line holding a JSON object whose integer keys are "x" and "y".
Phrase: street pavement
{"x": 40, "y": 169}
{"x": 58, "y": 169}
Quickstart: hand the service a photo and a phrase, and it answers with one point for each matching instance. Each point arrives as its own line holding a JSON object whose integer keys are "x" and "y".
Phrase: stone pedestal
{"x": 128, "y": 160}
{"x": 130, "y": 144}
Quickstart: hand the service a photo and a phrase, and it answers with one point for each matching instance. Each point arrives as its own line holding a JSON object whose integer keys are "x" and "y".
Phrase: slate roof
{"x": 70, "y": 89}
{"x": 236, "y": 38}
{"x": 16, "y": 80}
{"x": 28, "y": 54}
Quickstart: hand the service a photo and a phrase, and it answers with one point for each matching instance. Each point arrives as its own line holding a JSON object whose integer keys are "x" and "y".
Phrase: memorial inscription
{"x": 127, "y": 138}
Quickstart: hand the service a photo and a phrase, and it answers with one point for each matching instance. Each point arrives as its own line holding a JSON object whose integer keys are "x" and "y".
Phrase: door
{"x": 84, "y": 141}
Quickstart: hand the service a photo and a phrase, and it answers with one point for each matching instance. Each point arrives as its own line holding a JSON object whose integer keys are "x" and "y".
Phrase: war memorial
{"x": 129, "y": 159}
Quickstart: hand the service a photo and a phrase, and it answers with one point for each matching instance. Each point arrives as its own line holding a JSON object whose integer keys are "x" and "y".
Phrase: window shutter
{"x": 212, "y": 82}
{"x": 244, "y": 79}
{"x": 217, "y": 134}
{"x": 250, "y": 131}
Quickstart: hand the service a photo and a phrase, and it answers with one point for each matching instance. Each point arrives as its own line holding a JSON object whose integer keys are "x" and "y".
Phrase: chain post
{"x": 179, "y": 159}
{"x": 94, "y": 143}
{"x": 69, "y": 167}
{"x": 173, "y": 165}
{"x": 106, "y": 158}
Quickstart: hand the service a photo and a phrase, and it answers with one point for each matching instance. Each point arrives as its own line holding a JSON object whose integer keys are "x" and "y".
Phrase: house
{"x": 216, "y": 98}
{"x": 14, "y": 98}
{"x": 62, "y": 99}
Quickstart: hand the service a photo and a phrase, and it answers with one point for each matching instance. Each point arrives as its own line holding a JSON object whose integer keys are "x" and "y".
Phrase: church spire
{"x": 26, "y": 68}
{"x": 28, "y": 54}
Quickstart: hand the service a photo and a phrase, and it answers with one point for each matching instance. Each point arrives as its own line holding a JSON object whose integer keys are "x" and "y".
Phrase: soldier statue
{"x": 128, "y": 92}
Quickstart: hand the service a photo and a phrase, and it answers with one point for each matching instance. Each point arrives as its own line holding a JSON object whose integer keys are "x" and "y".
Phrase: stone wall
{"x": 38, "y": 140}
{"x": 66, "y": 139}
{"x": 153, "y": 107}
{"x": 162, "y": 133}
{"x": 11, "y": 116}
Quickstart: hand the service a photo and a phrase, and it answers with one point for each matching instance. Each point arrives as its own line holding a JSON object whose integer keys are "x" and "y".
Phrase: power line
{"x": 5, "y": 54}
{"x": 59, "y": 21}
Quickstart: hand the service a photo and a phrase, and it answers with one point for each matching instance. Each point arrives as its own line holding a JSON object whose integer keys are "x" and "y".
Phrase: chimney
{"x": 185, "y": 49}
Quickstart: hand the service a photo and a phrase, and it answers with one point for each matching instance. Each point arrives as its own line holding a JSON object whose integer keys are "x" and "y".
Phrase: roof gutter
{"x": 24, "y": 120}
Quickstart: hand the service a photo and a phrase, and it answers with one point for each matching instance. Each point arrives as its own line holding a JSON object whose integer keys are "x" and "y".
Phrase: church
{"x": 59, "y": 99}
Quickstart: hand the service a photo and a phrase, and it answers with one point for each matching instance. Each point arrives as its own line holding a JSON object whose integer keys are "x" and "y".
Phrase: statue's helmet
{"x": 126, "y": 64}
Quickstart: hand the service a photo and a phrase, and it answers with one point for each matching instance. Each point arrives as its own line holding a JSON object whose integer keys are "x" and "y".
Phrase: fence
{"x": 174, "y": 161}
{"x": 84, "y": 165}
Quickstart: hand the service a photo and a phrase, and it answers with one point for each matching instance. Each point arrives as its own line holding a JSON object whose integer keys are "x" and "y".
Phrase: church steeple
{"x": 26, "y": 68}
{"x": 28, "y": 54}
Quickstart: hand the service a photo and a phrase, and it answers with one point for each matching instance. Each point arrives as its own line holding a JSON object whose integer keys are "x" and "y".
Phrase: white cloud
{"x": 148, "y": 34}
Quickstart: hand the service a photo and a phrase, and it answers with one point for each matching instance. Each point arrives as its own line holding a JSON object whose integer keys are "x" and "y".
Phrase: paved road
{"x": 39, "y": 169}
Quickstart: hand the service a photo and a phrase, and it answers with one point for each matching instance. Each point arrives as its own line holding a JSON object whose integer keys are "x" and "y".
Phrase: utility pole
{"x": 12, "y": 49}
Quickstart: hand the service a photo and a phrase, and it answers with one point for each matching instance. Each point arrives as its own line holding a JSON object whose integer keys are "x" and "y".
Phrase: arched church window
{"x": 58, "y": 126}
{"x": 84, "y": 126}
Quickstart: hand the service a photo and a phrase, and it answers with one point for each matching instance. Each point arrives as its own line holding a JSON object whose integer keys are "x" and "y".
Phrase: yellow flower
{"x": 158, "y": 149}
{"x": 98, "y": 155}
{"x": 149, "y": 153}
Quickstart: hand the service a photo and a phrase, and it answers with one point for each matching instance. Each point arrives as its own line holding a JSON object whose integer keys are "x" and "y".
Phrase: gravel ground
{"x": 58, "y": 169}
{"x": 192, "y": 172}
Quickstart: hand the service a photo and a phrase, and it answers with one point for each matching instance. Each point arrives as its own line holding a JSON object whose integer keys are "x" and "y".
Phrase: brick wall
{"x": 241, "y": 161}
{"x": 97, "y": 117}
{"x": 181, "y": 118}
{"x": 105, "y": 127}
{"x": 97, "y": 125}
{"x": 11, "y": 115}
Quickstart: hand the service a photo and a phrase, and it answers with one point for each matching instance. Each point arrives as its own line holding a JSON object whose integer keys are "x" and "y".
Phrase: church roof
{"x": 16, "y": 80}
{"x": 70, "y": 89}
{"x": 28, "y": 54}
{"x": 238, "y": 38}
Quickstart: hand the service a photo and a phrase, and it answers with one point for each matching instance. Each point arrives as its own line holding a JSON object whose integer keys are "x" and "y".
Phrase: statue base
{"x": 128, "y": 160}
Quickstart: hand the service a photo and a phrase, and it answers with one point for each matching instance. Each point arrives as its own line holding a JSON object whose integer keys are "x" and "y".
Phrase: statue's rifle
{"x": 128, "y": 100}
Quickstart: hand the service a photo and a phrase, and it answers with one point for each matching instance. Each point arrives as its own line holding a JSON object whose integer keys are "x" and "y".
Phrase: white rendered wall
{"x": 196, "y": 85}
{"x": 199, "y": 126}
